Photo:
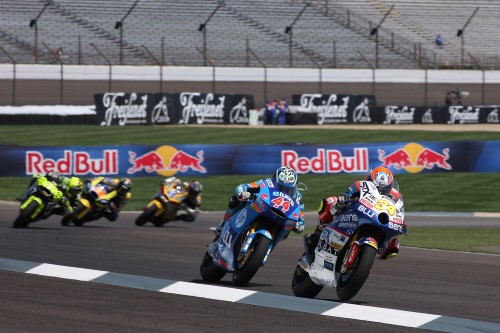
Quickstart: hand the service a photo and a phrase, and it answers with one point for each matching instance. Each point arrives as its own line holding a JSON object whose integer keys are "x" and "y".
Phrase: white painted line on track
{"x": 401, "y": 318}
{"x": 66, "y": 272}
{"x": 381, "y": 315}
{"x": 207, "y": 291}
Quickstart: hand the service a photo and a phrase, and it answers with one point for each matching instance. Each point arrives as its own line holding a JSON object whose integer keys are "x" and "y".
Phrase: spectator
{"x": 283, "y": 110}
{"x": 276, "y": 112}
{"x": 439, "y": 41}
{"x": 448, "y": 98}
{"x": 269, "y": 113}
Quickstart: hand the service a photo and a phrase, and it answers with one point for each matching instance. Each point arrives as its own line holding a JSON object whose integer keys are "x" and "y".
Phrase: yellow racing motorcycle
{"x": 43, "y": 198}
{"x": 165, "y": 204}
{"x": 95, "y": 201}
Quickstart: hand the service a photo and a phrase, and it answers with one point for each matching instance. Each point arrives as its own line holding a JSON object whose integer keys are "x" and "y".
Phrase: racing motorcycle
{"x": 165, "y": 204}
{"x": 40, "y": 204}
{"x": 348, "y": 246}
{"x": 94, "y": 202}
{"x": 248, "y": 237}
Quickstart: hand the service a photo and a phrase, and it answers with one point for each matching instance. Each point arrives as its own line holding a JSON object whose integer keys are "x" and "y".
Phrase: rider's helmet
{"x": 124, "y": 186}
{"x": 382, "y": 178}
{"x": 286, "y": 180}
{"x": 74, "y": 186}
{"x": 194, "y": 189}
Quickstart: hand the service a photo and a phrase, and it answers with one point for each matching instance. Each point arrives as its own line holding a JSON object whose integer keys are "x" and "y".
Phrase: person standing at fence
{"x": 269, "y": 113}
{"x": 283, "y": 110}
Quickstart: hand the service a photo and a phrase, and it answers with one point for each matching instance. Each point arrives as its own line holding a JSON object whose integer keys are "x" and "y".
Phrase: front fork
{"x": 39, "y": 208}
{"x": 352, "y": 252}
{"x": 160, "y": 205}
{"x": 246, "y": 248}
{"x": 88, "y": 206}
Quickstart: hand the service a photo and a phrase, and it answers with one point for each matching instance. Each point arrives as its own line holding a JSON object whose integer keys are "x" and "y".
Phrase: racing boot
{"x": 311, "y": 241}
{"x": 391, "y": 250}
{"x": 232, "y": 206}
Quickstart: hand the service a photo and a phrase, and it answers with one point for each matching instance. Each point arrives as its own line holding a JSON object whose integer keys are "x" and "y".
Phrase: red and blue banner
{"x": 201, "y": 160}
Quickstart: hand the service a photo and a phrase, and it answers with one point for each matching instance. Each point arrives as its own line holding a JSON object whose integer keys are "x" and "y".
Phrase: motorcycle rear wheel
{"x": 24, "y": 217}
{"x": 350, "y": 282}
{"x": 146, "y": 215}
{"x": 209, "y": 271}
{"x": 259, "y": 250}
{"x": 303, "y": 286}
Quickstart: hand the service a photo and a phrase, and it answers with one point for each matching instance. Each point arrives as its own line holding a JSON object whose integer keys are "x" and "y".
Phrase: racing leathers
{"x": 333, "y": 205}
{"x": 192, "y": 202}
{"x": 119, "y": 195}
{"x": 241, "y": 195}
{"x": 68, "y": 200}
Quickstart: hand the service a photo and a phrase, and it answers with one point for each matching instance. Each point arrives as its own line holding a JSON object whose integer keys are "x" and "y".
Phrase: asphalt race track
{"x": 452, "y": 284}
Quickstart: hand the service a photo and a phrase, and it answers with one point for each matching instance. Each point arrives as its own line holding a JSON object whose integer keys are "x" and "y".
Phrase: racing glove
{"x": 299, "y": 227}
{"x": 244, "y": 196}
{"x": 341, "y": 202}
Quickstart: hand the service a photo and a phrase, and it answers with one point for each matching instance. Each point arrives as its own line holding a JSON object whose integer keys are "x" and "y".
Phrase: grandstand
{"x": 321, "y": 33}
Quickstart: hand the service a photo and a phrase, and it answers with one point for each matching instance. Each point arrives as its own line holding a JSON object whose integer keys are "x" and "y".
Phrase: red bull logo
{"x": 166, "y": 161}
{"x": 149, "y": 162}
{"x": 327, "y": 161}
{"x": 73, "y": 162}
{"x": 182, "y": 161}
{"x": 414, "y": 158}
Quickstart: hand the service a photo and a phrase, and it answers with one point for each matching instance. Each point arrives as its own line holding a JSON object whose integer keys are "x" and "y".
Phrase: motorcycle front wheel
{"x": 24, "y": 217}
{"x": 209, "y": 271}
{"x": 302, "y": 285}
{"x": 351, "y": 281}
{"x": 257, "y": 253}
{"x": 78, "y": 210}
{"x": 146, "y": 216}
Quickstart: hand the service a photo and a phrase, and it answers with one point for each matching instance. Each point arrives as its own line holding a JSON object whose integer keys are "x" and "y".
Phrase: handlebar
{"x": 253, "y": 190}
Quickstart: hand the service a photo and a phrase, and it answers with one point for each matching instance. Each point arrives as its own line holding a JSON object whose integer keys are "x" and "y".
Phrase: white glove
{"x": 299, "y": 227}
{"x": 244, "y": 196}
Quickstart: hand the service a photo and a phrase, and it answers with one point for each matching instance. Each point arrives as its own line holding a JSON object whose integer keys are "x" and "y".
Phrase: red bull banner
{"x": 206, "y": 160}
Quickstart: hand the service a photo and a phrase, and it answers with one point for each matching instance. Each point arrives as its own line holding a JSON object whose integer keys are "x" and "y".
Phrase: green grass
{"x": 431, "y": 192}
{"x": 455, "y": 239}
{"x": 161, "y": 135}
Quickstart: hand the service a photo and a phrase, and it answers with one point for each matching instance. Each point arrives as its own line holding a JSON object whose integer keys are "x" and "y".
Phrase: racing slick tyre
{"x": 66, "y": 220}
{"x": 78, "y": 210}
{"x": 24, "y": 217}
{"x": 255, "y": 257}
{"x": 209, "y": 271}
{"x": 351, "y": 281}
{"x": 302, "y": 285}
{"x": 146, "y": 215}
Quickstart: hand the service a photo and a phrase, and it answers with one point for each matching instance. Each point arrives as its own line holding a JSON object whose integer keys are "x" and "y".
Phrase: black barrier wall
{"x": 133, "y": 108}
{"x": 172, "y": 108}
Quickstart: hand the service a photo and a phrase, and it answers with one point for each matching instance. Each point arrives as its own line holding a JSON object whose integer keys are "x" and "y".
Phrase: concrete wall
{"x": 76, "y": 85}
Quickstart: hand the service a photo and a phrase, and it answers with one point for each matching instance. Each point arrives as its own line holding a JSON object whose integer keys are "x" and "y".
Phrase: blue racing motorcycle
{"x": 348, "y": 246}
{"x": 249, "y": 236}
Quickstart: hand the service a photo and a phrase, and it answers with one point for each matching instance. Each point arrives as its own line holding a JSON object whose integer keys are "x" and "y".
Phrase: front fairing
{"x": 270, "y": 213}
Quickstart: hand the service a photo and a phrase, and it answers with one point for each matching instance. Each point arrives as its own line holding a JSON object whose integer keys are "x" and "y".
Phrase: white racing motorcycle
{"x": 348, "y": 246}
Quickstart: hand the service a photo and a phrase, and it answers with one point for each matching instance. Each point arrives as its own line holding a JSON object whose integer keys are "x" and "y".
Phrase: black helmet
{"x": 195, "y": 188}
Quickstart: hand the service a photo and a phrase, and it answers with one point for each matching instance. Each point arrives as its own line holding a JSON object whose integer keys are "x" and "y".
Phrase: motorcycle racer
{"x": 192, "y": 203}
{"x": 284, "y": 178}
{"x": 70, "y": 187}
{"x": 120, "y": 194}
{"x": 384, "y": 180}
